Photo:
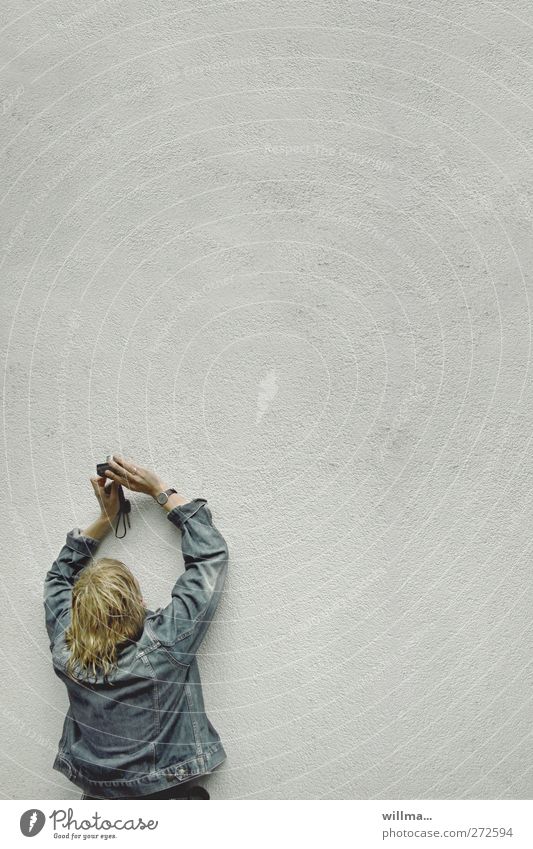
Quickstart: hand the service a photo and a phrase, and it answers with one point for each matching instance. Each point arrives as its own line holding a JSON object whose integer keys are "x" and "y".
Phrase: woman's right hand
{"x": 133, "y": 476}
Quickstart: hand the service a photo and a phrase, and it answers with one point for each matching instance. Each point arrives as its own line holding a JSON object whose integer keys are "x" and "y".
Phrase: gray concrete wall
{"x": 281, "y": 252}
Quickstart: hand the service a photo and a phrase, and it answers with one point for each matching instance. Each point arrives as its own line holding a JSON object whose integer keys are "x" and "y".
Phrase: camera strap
{"x": 123, "y": 513}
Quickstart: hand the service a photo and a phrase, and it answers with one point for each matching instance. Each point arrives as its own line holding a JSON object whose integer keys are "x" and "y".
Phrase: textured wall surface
{"x": 281, "y": 252}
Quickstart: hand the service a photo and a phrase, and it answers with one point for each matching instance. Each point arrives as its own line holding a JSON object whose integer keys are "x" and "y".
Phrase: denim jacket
{"x": 145, "y": 728}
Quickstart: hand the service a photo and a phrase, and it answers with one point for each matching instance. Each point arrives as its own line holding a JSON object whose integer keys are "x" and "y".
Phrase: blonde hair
{"x": 107, "y": 609}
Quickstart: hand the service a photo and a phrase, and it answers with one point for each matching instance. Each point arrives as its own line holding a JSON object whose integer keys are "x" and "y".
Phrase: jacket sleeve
{"x": 60, "y": 579}
{"x": 183, "y": 623}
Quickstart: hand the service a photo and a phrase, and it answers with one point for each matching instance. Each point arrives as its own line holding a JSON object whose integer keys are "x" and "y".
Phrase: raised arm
{"x": 60, "y": 578}
{"x": 79, "y": 547}
{"x": 183, "y": 623}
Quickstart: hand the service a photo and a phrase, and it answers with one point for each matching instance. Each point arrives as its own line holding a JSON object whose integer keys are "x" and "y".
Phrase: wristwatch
{"x": 162, "y": 497}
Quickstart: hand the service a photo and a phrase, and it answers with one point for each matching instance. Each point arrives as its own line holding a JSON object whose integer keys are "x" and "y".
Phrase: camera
{"x": 101, "y": 468}
{"x": 125, "y": 504}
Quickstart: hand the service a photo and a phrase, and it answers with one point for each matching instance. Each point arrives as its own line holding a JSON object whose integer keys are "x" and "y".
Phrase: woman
{"x": 136, "y": 726}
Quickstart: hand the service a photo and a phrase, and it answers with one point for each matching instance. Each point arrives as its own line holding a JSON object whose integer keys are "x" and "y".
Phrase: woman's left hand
{"x": 107, "y": 496}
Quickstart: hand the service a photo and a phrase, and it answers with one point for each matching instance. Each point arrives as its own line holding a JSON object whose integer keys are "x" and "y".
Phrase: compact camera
{"x": 125, "y": 504}
{"x": 101, "y": 469}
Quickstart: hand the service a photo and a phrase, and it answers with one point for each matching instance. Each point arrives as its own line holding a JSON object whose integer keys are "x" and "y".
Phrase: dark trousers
{"x": 178, "y": 791}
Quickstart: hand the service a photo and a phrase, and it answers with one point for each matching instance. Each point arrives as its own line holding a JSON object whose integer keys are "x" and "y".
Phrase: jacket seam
{"x": 146, "y": 660}
{"x": 197, "y": 741}
{"x": 194, "y": 625}
{"x": 195, "y": 621}
{"x": 162, "y": 773}
{"x": 174, "y": 659}
{"x": 166, "y": 646}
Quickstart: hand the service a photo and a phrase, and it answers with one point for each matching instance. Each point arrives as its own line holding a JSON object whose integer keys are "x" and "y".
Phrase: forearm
{"x": 99, "y": 528}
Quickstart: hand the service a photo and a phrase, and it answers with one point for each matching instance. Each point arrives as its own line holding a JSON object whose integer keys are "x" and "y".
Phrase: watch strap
{"x": 167, "y": 492}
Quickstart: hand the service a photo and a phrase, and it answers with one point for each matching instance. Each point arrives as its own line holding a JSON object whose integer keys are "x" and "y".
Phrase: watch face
{"x": 162, "y": 497}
